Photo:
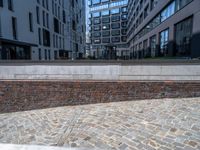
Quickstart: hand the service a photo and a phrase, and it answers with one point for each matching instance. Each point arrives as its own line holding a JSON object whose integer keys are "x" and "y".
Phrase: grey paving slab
{"x": 162, "y": 124}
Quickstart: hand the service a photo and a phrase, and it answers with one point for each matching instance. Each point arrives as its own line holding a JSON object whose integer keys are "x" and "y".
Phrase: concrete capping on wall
{"x": 110, "y": 72}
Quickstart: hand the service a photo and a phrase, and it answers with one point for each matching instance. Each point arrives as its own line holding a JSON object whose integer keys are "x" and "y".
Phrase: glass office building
{"x": 163, "y": 28}
{"x": 108, "y": 28}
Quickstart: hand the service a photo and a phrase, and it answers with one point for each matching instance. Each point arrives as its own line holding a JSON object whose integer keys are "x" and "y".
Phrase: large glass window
{"x": 145, "y": 48}
{"x": 167, "y": 12}
{"x": 183, "y": 35}
{"x": 153, "y": 45}
{"x": 181, "y": 3}
{"x": 164, "y": 39}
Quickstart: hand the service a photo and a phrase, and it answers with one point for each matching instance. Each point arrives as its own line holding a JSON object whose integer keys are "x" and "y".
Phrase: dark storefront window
{"x": 183, "y": 35}
{"x": 153, "y": 45}
{"x": 164, "y": 39}
{"x": 15, "y": 52}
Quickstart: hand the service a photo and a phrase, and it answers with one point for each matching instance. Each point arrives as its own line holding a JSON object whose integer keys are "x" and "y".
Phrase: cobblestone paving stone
{"x": 164, "y": 124}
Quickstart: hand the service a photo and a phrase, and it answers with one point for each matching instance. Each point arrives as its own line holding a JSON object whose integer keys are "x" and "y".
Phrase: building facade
{"x": 42, "y": 29}
{"x": 108, "y": 28}
{"x": 163, "y": 28}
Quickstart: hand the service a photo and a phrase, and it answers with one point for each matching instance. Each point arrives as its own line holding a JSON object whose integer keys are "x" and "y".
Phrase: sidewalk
{"x": 163, "y": 124}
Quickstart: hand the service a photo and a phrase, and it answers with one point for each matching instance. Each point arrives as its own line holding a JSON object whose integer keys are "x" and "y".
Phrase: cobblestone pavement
{"x": 149, "y": 124}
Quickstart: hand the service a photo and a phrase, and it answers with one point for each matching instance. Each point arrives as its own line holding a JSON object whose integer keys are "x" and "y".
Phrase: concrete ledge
{"x": 101, "y": 72}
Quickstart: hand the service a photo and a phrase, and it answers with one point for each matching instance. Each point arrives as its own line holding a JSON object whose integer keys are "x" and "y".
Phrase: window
{"x": 115, "y": 39}
{"x": 153, "y": 3}
{"x": 97, "y": 28}
{"x": 124, "y": 9}
{"x": 1, "y": 3}
{"x": 115, "y": 18}
{"x": 106, "y": 20}
{"x": 105, "y": 13}
{"x": 95, "y": 2}
{"x": 56, "y": 25}
{"x": 106, "y": 40}
{"x": 115, "y": 11}
{"x": 124, "y": 16}
{"x": 46, "y": 38}
{"x": 39, "y": 54}
{"x": 105, "y": 1}
{"x": 10, "y": 5}
{"x": 43, "y": 18}
{"x": 96, "y": 34}
{"x": 145, "y": 48}
{"x": 97, "y": 41}
{"x": 45, "y": 54}
{"x": 73, "y": 25}
{"x": 183, "y": 36}
{"x": 123, "y": 31}
{"x": 115, "y": 25}
{"x": 14, "y": 27}
{"x": 96, "y": 21}
{"x": 124, "y": 24}
{"x": 146, "y": 11}
{"x": 115, "y": 32}
{"x": 167, "y": 12}
{"x": 96, "y": 14}
{"x": 105, "y": 33}
{"x": 31, "y": 22}
{"x": 49, "y": 54}
{"x": 39, "y": 36}
{"x": 123, "y": 38}
{"x": 153, "y": 45}
{"x": 181, "y": 3}
{"x": 38, "y": 14}
{"x": 164, "y": 39}
{"x": 47, "y": 19}
{"x": 106, "y": 27}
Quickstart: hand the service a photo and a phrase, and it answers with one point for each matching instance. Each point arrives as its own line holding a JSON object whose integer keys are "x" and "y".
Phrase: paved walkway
{"x": 148, "y": 124}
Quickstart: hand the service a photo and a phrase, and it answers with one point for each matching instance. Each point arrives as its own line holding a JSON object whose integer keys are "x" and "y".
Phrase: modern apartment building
{"x": 42, "y": 29}
{"x": 108, "y": 28}
{"x": 163, "y": 28}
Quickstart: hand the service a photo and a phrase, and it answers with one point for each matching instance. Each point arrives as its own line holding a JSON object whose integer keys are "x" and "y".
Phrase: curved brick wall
{"x": 28, "y": 95}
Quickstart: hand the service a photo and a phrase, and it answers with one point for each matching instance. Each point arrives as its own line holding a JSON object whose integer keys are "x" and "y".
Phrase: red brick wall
{"x": 28, "y": 95}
